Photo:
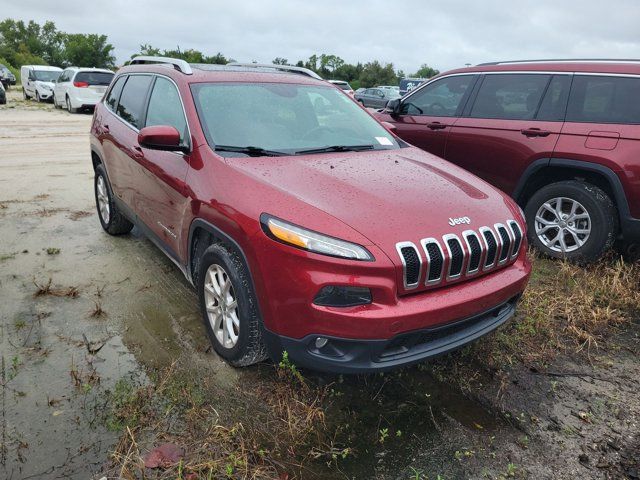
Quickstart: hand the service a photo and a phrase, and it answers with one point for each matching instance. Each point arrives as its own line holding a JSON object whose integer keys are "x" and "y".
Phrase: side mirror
{"x": 161, "y": 137}
{"x": 393, "y": 107}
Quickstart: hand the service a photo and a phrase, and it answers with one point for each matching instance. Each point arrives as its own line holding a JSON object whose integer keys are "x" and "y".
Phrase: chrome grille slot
{"x": 475, "y": 251}
{"x": 491, "y": 245}
{"x": 411, "y": 264}
{"x": 517, "y": 237}
{"x": 456, "y": 255}
{"x": 505, "y": 242}
{"x": 435, "y": 260}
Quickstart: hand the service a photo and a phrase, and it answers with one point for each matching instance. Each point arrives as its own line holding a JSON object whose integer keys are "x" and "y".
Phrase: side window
{"x": 165, "y": 107}
{"x": 509, "y": 96}
{"x": 601, "y": 99}
{"x": 439, "y": 99}
{"x": 554, "y": 102}
{"x": 134, "y": 94}
{"x": 114, "y": 93}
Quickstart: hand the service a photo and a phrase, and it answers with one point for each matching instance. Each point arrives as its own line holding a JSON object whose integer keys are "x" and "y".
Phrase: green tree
{"x": 374, "y": 73}
{"x": 425, "y": 71}
{"x": 280, "y": 61}
{"x": 88, "y": 50}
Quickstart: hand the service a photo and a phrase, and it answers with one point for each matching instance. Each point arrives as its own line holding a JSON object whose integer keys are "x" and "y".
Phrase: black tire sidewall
{"x": 598, "y": 205}
{"x": 218, "y": 254}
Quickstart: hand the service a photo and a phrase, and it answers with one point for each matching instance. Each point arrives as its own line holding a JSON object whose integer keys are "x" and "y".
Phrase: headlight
{"x": 312, "y": 241}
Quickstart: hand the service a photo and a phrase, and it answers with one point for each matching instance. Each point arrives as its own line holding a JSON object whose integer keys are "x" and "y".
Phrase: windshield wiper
{"x": 251, "y": 151}
{"x": 336, "y": 148}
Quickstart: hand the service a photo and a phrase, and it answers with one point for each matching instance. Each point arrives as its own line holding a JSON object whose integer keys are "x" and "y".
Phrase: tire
{"x": 38, "y": 97}
{"x": 24, "y": 94}
{"x": 113, "y": 221}
{"x": 218, "y": 263}
{"x": 70, "y": 109}
{"x": 586, "y": 236}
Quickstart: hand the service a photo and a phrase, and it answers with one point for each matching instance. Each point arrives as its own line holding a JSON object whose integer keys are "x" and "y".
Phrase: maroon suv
{"x": 304, "y": 224}
{"x": 561, "y": 137}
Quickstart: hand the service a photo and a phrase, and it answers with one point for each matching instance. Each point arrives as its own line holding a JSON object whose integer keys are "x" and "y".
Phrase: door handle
{"x": 137, "y": 152}
{"x": 436, "y": 126}
{"x": 535, "y": 132}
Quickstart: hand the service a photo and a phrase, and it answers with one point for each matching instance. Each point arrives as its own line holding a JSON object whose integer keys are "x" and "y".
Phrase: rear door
{"x": 603, "y": 126}
{"x": 426, "y": 116}
{"x": 161, "y": 174}
{"x": 514, "y": 120}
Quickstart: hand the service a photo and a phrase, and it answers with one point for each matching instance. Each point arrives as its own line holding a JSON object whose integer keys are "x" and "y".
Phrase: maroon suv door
{"x": 427, "y": 114}
{"x": 513, "y": 120}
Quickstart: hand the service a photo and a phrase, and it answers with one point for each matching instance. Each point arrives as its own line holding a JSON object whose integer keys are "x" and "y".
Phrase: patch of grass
{"x": 48, "y": 289}
{"x": 53, "y": 251}
{"x": 7, "y": 256}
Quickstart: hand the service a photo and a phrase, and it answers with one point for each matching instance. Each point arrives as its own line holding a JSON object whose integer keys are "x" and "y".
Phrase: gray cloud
{"x": 443, "y": 34}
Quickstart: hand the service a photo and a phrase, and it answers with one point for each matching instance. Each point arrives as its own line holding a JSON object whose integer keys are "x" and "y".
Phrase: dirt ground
{"x": 81, "y": 313}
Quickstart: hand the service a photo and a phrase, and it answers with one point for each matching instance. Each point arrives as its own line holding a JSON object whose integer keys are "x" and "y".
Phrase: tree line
{"x": 31, "y": 43}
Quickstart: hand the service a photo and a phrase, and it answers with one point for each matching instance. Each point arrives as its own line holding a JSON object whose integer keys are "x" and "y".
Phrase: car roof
{"x": 201, "y": 73}
{"x": 88, "y": 69}
{"x": 551, "y": 65}
{"x": 43, "y": 67}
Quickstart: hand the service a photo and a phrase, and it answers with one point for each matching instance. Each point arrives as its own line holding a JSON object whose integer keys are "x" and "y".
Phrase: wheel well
{"x": 201, "y": 239}
{"x": 95, "y": 159}
{"x": 548, "y": 175}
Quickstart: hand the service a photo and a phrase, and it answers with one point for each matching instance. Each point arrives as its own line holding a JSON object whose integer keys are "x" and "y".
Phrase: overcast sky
{"x": 445, "y": 34}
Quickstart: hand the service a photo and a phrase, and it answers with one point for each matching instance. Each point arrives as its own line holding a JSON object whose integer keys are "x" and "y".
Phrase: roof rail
{"x": 554, "y": 60}
{"x": 283, "y": 68}
{"x": 178, "y": 64}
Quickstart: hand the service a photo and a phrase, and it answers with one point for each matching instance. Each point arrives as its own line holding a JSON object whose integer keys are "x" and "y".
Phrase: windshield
{"x": 343, "y": 85}
{"x": 285, "y": 118}
{"x": 46, "y": 75}
{"x": 95, "y": 78}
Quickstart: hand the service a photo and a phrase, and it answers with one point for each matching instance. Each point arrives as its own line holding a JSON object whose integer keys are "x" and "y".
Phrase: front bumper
{"x": 341, "y": 355}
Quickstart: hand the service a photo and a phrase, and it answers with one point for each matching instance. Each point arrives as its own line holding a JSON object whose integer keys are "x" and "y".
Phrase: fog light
{"x": 321, "y": 342}
{"x": 342, "y": 296}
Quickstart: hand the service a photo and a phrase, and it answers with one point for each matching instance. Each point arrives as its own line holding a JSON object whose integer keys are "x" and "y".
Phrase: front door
{"x": 426, "y": 116}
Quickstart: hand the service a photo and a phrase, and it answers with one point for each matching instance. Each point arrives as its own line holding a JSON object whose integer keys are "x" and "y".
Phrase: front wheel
{"x": 573, "y": 220}
{"x": 112, "y": 220}
{"x": 24, "y": 94}
{"x": 229, "y": 307}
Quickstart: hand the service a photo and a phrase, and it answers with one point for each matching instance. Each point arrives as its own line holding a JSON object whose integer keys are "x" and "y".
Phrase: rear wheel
{"x": 572, "y": 220}
{"x": 229, "y": 307}
{"x": 70, "y": 109}
{"x": 111, "y": 219}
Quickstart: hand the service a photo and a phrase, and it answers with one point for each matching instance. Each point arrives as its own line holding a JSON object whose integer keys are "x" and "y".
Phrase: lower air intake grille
{"x": 517, "y": 237}
{"x": 412, "y": 265}
{"x": 476, "y": 252}
{"x": 457, "y": 257}
{"x": 506, "y": 243}
{"x": 492, "y": 247}
{"x": 435, "y": 261}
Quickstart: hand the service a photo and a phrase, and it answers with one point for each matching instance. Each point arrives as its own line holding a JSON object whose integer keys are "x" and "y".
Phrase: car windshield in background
{"x": 273, "y": 118}
{"x": 46, "y": 75}
{"x": 343, "y": 86}
{"x": 95, "y": 78}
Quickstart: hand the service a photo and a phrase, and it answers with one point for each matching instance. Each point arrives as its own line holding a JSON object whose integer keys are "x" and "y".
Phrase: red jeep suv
{"x": 303, "y": 223}
{"x": 562, "y": 137}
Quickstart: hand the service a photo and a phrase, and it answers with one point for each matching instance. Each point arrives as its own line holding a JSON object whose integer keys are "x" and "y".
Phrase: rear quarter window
{"x": 94, "y": 78}
{"x": 604, "y": 99}
{"x": 132, "y": 100}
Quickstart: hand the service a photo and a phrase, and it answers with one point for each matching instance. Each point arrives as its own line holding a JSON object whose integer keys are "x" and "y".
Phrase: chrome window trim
{"x": 424, "y": 243}
{"x": 465, "y": 235}
{"x": 399, "y": 247}
{"x": 446, "y": 238}
{"x": 486, "y": 244}
{"x": 506, "y": 259}
{"x": 514, "y": 253}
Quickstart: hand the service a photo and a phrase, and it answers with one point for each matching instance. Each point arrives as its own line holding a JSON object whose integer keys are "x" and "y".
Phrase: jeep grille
{"x": 454, "y": 257}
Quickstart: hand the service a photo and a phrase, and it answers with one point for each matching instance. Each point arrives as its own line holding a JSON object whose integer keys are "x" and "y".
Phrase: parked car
{"x": 396, "y": 88}
{"x": 3, "y": 95}
{"x": 561, "y": 137}
{"x": 7, "y": 78}
{"x": 343, "y": 85}
{"x": 376, "y": 97}
{"x": 408, "y": 84}
{"x": 38, "y": 80}
{"x": 322, "y": 235}
{"x": 81, "y": 88}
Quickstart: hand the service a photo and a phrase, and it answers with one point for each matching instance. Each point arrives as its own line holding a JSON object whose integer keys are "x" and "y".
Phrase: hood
{"x": 40, "y": 83}
{"x": 388, "y": 196}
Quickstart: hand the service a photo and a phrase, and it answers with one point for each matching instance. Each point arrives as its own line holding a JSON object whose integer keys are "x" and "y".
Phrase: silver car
{"x": 376, "y": 97}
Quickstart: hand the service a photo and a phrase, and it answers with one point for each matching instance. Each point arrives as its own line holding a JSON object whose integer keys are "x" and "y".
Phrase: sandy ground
{"x": 60, "y": 355}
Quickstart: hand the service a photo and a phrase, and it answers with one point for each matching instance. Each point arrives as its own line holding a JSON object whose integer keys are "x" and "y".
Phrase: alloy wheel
{"x": 103, "y": 200}
{"x": 222, "y": 306}
{"x": 563, "y": 224}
